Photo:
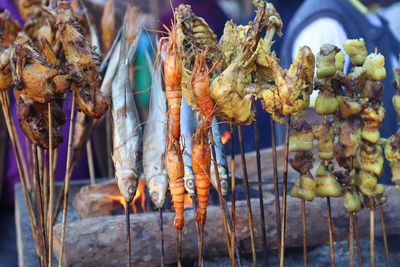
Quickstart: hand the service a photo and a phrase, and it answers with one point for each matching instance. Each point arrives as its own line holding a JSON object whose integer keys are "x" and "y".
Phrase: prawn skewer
{"x": 173, "y": 155}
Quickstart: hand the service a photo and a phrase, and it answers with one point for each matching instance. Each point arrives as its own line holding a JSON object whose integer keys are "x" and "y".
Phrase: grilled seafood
{"x": 173, "y": 154}
{"x": 201, "y": 161}
{"x": 153, "y": 163}
{"x": 194, "y": 36}
{"x": 127, "y": 132}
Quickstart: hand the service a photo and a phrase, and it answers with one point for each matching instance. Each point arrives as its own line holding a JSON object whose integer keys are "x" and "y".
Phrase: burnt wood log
{"x": 98, "y": 200}
{"x": 101, "y": 241}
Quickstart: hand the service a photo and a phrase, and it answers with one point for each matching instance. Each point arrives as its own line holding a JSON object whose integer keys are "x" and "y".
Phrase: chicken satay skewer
{"x": 259, "y": 182}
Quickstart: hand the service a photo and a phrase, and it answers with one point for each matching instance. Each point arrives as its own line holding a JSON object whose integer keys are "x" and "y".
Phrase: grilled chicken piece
{"x": 302, "y": 136}
{"x": 82, "y": 63}
{"x": 293, "y": 86}
{"x": 33, "y": 119}
{"x": 392, "y": 154}
{"x": 33, "y": 73}
{"x": 372, "y": 117}
{"x": 302, "y": 162}
{"x": 304, "y": 187}
{"x": 323, "y": 132}
{"x": 326, "y": 184}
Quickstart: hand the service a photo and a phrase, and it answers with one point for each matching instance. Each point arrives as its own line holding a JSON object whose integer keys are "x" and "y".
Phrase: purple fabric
{"x": 11, "y": 173}
{"x": 207, "y": 9}
{"x": 11, "y": 170}
{"x": 8, "y": 4}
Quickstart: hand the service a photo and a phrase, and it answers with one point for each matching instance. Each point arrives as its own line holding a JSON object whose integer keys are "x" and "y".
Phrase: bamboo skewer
{"x": 276, "y": 186}
{"x": 330, "y": 229}
{"x": 221, "y": 202}
{"x": 51, "y": 190}
{"x": 68, "y": 173}
{"x": 128, "y": 235}
{"x": 351, "y": 240}
{"x": 161, "y": 238}
{"x": 89, "y": 153}
{"x": 304, "y": 224}
{"x": 284, "y": 192}
{"x": 372, "y": 237}
{"x": 200, "y": 257}
{"x": 359, "y": 255}
{"x": 385, "y": 241}
{"x": 329, "y": 214}
{"x": 39, "y": 206}
{"x": 233, "y": 192}
{"x": 24, "y": 181}
{"x": 248, "y": 201}
{"x": 259, "y": 181}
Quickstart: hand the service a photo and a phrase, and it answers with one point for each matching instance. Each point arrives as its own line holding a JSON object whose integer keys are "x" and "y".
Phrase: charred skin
{"x": 175, "y": 170}
{"x": 33, "y": 119}
{"x": 173, "y": 79}
{"x": 82, "y": 64}
{"x": 201, "y": 161}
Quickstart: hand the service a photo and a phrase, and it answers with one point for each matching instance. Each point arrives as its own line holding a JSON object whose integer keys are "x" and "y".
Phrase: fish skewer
{"x": 127, "y": 134}
{"x": 153, "y": 163}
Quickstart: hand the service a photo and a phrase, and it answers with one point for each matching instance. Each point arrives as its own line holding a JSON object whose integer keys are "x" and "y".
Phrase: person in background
{"x": 333, "y": 21}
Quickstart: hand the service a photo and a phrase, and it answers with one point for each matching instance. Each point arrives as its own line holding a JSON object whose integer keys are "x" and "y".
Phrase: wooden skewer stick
{"x": 276, "y": 186}
{"x": 200, "y": 256}
{"x": 51, "y": 189}
{"x": 357, "y": 233}
{"x": 13, "y": 137}
{"x": 68, "y": 173}
{"x": 221, "y": 202}
{"x": 233, "y": 192}
{"x": 304, "y": 223}
{"x": 385, "y": 241}
{"x": 161, "y": 238}
{"x": 128, "y": 235}
{"x": 284, "y": 192}
{"x": 39, "y": 206}
{"x": 329, "y": 214}
{"x": 351, "y": 239}
{"x": 89, "y": 153}
{"x": 330, "y": 229}
{"x": 248, "y": 201}
{"x": 372, "y": 237}
{"x": 259, "y": 181}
